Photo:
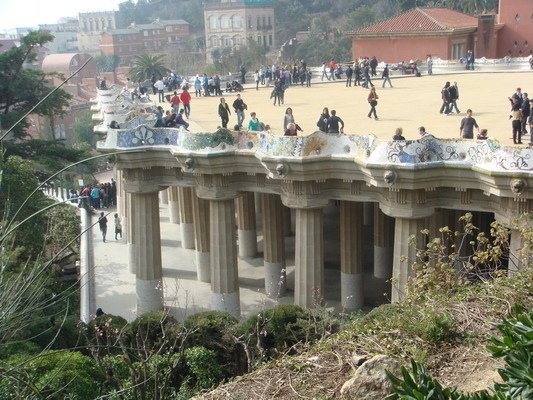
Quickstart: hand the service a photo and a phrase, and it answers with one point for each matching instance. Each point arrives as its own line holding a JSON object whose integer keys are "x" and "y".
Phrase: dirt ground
{"x": 412, "y": 102}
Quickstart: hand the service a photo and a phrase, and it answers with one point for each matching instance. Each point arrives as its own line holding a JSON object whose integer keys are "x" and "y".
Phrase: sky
{"x": 31, "y": 13}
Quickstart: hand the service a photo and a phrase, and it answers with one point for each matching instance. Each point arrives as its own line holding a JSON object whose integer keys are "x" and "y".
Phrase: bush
{"x": 212, "y": 330}
{"x": 105, "y": 332}
{"x": 53, "y": 332}
{"x": 55, "y": 375}
{"x": 203, "y": 365}
{"x": 152, "y": 330}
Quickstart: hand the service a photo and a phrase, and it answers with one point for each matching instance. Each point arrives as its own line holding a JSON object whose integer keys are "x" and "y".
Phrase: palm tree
{"x": 145, "y": 65}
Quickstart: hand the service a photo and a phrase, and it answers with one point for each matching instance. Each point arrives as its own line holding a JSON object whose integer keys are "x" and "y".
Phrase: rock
{"x": 370, "y": 381}
{"x": 358, "y": 359}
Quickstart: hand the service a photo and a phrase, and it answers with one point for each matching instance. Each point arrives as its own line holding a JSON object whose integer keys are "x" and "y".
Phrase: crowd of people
{"x": 97, "y": 196}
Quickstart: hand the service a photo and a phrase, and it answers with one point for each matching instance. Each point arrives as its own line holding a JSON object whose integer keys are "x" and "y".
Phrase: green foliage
{"x": 204, "y": 366}
{"x": 53, "y": 332}
{"x": 105, "y": 333}
{"x": 145, "y": 65}
{"x": 55, "y": 375}
{"x": 82, "y": 131}
{"x": 21, "y": 88}
{"x": 362, "y": 16}
{"x": 106, "y": 62}
{"x": 151, "y": 328}
{"x": 515, "y": 347}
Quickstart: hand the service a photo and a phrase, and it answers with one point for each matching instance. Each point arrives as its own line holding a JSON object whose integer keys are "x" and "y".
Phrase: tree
{"x": 107, "y": 62}
{"x": 21, "y": 88}
{"x": 145, "y": 65}
{"x": 360, "y": 17}
{"x": 83, "y": 128}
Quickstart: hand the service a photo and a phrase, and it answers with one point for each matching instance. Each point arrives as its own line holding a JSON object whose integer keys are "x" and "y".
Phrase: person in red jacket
{"x": 185, "y": 98}
{"x": 175, "y": 102}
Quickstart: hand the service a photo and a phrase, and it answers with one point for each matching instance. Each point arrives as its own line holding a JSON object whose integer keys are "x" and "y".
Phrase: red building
{"x": 143, "y": 39}
{"x": 448, "y": 34}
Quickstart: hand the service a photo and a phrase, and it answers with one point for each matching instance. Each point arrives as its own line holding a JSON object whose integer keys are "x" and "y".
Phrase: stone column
{"x": 163, "y": 196}
{"x": 404, "y": 253}
{"x": 516, "y": 260}
{"x": 87, "y": 278}
{"x": 246, "y": 232}
{"x": 200, "y": 212}
{"x": 186, "y": 220}
{"x": 173, "y": 205}
{"x": 351, "y": 226}
{"x": 129, "y": 221}
{"x": 147, "y": 244}
{"x": 383, "y": 244}
{"x": 274, "y": 245}
{"x": 224, "y": 273}
{"x": 309, "y": 258}
{"x": 368, "y": 213}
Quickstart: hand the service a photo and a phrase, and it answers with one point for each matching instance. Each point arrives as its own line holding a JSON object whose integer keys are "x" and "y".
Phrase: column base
{"x": 149, "y": 295}
{"x": 383, "y": 262}
{"x": 247, "y": 243}
{"x": 187, "y": 236}
{"x": 352, "y": 296}
{"x": 227, "y": 302}
{"x": 203, "y": 266}
{"x": 275, "y": 280}
{"x": 132, "y": 260}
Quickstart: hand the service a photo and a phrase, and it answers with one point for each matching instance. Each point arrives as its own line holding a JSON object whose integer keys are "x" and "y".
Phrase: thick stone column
{"x": 200, "y": 212}
{"x": 129, "y": 223}
{"x": 224, "y": 273}
{"x": 147, "y": 245}
{"x": 516, "y": 260}
{"x": 368, "y": 213}
{"x": 246, "y": 225}
{"x": 274, "y": 245}
{"x": 173, "y": 205}
{"x": 404, "y": 253}
{"x": 383, "y": 244}
{"x": 351, "y": 226}
{"x": 309, "y": 258}
{"x": 186, "y": 220}
{"x": 163, "y": 196}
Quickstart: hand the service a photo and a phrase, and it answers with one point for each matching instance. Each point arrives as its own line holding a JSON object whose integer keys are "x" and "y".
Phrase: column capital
{"x": 215, "y": 187}
{"x": 404, "y": 203}
{"x": 303, "y": 194}
{"x": 140, "y": 180}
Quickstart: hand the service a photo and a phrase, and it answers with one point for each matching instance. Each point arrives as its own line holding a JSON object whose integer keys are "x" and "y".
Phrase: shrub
{"x": 151, "y": 329}
{"x": 104, "y": 333}
{"x": 53, "y": 331}
{"x": 203, "y": 365}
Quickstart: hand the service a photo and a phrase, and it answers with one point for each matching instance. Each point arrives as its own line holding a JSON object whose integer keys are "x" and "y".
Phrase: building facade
{"x": 230, "y": 23}
{"x": 137, "y": 39}
{"x": 91, "y": 27}
{"x": 448, "y": 34}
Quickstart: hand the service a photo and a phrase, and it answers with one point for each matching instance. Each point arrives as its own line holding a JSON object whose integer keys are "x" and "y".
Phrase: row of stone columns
{"x": 214, "y": 227}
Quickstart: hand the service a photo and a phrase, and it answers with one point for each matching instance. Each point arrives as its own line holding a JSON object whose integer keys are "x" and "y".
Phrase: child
{"x": 482, "y": 135}
{"x": 118, "y": 227}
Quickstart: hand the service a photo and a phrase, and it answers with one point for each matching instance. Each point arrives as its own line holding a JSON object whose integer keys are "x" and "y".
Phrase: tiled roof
{"x": 422, "y": 20}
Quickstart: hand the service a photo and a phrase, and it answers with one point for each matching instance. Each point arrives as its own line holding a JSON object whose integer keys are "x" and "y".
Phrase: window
{"x": 225, "y": 22}
{"x": 145, "y": 33}
{"x": 270, "y": 40}
{"x": 258, "y": 22}
{"x": 517, "y": 18}
{"x": 264, "y": 21}
{"x": 168, "y": 28}
{"x": 269, "y": 21}
{"x": 457, "y": 50}
{"x": 237, "y": 21}
{"x": 250, "y": 22}
{"x": 213, "y": 22}
{"x": 259, "y": 40}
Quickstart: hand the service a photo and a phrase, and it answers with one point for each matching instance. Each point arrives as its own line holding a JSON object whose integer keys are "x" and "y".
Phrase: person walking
{"x": 160, "y": 86}
{"x": 322, "y": 122}
{"x": 349, "y": 74}
{"x": 373, "y": 101}
{"x": 445, "y": 96}
{"x": 466, "y": 129}
{"x": 385, "y": 75}
{"x": 257, "y": 79}
{"x": 118, "y": 226}
{"x": 516, "y": 122}
{"x": 185, "y": 98}
{"x": 197, "y": 87}
{"x": 102, "y": 222}
{"x": 175, "y": 102}
{"x": 224, "y": 112}
{"x": 429, "y": 62}
{"x": 239, "y": 106}
{"x": 333, "y": 123}
{"x": 454, "y": 96}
